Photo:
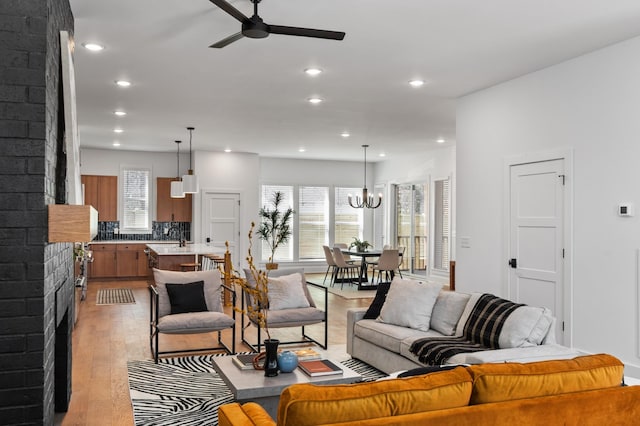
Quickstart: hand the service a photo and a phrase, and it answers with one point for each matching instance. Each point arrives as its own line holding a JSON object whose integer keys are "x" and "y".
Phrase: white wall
{"x": 107, "y": 162}
{"x": 228, "y": 172}
{"x": 589, "y": 105}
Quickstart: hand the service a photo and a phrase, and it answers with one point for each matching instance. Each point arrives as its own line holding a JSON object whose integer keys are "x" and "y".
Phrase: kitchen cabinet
{"x": 121, "y": 260}
{"x": 126, "y": 260}
{"x": 104, "y": 261}
{"x": 101, "y": 192}
{"x": 171, "y": 209}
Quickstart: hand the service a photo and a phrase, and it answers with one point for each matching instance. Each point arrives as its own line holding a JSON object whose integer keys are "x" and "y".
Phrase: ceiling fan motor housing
{"x": 255, "y": 28}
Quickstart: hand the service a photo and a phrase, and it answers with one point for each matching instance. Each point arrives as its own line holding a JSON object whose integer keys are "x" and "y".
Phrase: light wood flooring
{"x": 106, "y": 337}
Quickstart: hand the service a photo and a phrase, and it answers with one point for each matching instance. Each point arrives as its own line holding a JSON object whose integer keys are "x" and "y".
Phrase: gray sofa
{"x": 528, "y": 334}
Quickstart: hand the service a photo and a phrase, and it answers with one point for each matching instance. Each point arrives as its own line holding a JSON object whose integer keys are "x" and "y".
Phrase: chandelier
{"x": 366, "y": 200}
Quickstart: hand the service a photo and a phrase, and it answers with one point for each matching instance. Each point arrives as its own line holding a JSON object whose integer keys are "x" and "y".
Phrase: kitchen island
{"x": 170, "y": 256}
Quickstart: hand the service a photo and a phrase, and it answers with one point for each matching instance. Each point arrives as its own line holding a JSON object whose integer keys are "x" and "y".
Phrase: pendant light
{"x": 190, "y": 183}
{"x": 176, "y": 185}
{"x": 367, "y": 200}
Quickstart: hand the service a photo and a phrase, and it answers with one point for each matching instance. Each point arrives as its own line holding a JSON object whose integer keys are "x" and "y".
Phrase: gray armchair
{"x": 289, "y": 317}
{"x": 189, "y": 303}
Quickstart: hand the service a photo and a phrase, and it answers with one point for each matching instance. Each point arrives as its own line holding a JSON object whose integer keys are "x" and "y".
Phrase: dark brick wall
{"x": 33, "y": 273}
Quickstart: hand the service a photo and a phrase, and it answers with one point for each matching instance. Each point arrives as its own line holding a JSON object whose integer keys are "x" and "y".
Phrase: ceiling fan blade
{"x": 230, "y": 10}
{"x": 228, "y": 40}
{"x": 305, "y": 32}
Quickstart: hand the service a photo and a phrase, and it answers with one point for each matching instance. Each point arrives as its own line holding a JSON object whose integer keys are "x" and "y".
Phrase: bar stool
{"x": 211, "y": 261}
{"x": 186, "y": 266}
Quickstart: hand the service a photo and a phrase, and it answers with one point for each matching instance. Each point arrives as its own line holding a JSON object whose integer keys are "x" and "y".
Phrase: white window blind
{"x": 135, "y": 198}
{"x": 441, "y": 231}
{"x": 349, "y": 222}
{"x": 313, "y": 221}
{"x": 285, "y": 251}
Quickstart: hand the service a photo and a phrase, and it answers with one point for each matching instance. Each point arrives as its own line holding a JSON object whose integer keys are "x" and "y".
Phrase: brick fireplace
{"x": 36, "y": 278}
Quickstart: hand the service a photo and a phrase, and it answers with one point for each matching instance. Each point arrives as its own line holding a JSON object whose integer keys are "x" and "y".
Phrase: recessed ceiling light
{"x": 416, "y": 83}
{"x": 94, "y": 47}
{"x": 440, "y": 140}
{"x": 227, "y": 150}
{"x": 314, "y": 100}
{"x": 123, "y": 83}
{"x": 116, "y": 143}
{"x": 382, "y": 154}
{"x": 301, "y": 150}
{"x": 120, "y": 113}
{"x": 313, "y": 71}
{"x": 118, "y": 130}
{"x": 345, "y": 134}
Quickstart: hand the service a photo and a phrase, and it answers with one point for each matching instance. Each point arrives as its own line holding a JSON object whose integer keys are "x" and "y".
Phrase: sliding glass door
{"x": 412, "y": 226}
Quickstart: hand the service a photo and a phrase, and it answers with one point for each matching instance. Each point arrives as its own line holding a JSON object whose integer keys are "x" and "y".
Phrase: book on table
{"x": 244, "y": 361}
{"x": 306, "y": 354}
{"x": 319, "y": 367}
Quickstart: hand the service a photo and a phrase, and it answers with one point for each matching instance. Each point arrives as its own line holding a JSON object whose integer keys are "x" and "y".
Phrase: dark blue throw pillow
{"x": 426, "y": 370}
{"x": 381, "y": 295}
{"x": 187, "y": 297}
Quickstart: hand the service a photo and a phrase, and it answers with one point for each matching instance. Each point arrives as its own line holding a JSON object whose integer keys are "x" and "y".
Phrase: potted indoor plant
{"x": 275, "y": 226}
{"x": 360, "y": 246}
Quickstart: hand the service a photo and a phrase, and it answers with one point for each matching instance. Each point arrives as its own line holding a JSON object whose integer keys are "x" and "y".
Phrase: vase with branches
{"x": 257, "y": 301}
{"x": 275, "y": 225}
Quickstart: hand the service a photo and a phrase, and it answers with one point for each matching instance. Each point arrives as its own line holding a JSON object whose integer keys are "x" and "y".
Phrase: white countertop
{"x": 189, "y": 249}
{"x": 175, "y": 242}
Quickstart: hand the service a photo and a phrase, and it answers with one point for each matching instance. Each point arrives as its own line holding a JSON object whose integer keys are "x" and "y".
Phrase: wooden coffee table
{"x": 252, "y": 385}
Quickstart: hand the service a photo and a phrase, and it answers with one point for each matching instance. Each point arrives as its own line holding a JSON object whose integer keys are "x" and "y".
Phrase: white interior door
{"x": 221, "y": 220}
{"x": 536, "y": 236}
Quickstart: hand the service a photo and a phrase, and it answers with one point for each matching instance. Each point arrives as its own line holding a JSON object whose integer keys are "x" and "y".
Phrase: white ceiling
{"x": 251, "y": 95}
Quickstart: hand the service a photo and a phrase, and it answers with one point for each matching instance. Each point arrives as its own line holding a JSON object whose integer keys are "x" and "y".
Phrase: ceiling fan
{"x": 255, "y": 27}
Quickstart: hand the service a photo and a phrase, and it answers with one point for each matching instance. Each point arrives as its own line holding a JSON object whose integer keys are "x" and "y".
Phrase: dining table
{"x": 363, "y": 280}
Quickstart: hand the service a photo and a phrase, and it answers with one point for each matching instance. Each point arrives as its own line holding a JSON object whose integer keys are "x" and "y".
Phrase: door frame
{"x": 565, "y": 154}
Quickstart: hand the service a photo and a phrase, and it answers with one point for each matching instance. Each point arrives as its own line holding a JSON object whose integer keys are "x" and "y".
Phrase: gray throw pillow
{"x": 447, "y": 311}
{"x": 409, "y": 303}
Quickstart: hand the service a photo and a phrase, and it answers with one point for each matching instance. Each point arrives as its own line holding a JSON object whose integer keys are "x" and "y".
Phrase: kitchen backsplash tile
{"x": 109, "y": 231}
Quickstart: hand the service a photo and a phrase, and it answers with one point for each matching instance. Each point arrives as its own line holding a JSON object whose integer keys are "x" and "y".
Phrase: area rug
{"x": 187, "y": 391}
{"x": 350, "y": 291}
{"x": 115, "y": 296}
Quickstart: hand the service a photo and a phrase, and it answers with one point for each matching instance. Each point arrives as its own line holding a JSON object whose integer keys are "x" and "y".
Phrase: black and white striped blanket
{"x": 481, "y": 332}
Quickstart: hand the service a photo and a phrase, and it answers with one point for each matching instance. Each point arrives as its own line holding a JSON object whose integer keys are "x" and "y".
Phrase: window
{"x": 315, "y": 210}
{"x": 313, "y": 221}
{"x": 349, "y": 221}
{"x": 412, "y": 226}
{"x": 285, "y": 251}
{"x": 135, "y": 200}
{"x": 441, "y": 226}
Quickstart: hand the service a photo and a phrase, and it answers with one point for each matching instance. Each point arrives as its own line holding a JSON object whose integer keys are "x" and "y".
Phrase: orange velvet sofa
{"x": 585, "y": 390}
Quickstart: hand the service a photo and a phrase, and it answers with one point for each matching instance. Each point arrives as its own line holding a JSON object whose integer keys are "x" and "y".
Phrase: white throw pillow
{"x": 447, "y": 311}
{"x": 526, "y": 326}
{"x": 409, "y": 303}
{"x": 286, "y": 292}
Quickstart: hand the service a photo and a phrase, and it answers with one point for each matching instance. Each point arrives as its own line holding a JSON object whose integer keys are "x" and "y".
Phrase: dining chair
{"x": 347, "y": 257}
{"x": 401, "y": 250}
{"x": 331, "y": 265}
{"x": 388, "y": 263}
{"x": 344, "y": 268}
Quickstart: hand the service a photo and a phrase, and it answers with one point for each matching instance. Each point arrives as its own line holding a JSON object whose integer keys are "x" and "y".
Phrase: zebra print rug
{"x": 187, "y": 391}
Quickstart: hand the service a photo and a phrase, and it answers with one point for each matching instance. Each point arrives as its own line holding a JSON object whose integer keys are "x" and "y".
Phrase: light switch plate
{"x": 465, "y": 242}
